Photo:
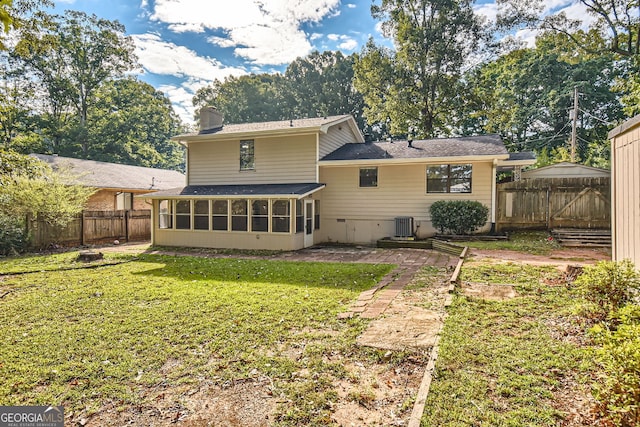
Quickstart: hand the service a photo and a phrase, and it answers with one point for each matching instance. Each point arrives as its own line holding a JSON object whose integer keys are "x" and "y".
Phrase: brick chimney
{"x": 210, "y": 120}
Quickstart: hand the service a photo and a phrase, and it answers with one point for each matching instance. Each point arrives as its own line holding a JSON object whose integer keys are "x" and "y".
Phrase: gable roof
{"x": 295, "y": 126}
{"x": 112, "y": 175}
{"x": 566, "y": 170}
{"x": 466, "y": 147}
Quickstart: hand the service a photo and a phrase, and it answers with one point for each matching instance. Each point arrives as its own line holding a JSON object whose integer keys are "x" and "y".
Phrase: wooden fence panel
{"x": 93, "y": 227}
{"x": 546, "y": 203}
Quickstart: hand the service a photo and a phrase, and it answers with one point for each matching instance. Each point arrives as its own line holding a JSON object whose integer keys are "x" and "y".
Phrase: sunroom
{"x": 261, "y": 216}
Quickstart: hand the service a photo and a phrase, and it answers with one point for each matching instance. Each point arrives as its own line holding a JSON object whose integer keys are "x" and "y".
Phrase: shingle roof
{"x": 112, "y": 175}
{"x": 523, "y": 155}
{"x": 273, "y": 126}
{"x": 250, "y": 190}
{"x": 484, "y": 145}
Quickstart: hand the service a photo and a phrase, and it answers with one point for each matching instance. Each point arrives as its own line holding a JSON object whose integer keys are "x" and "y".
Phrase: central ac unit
{"x": 404, "y": 226}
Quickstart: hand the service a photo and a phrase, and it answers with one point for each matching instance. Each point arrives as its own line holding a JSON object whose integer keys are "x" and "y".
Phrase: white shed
{"x": 625, "y": 190}
{"x": 566, "y": 170}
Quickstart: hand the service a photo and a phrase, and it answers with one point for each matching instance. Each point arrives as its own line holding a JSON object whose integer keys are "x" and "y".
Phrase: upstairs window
{"x": 449, "y": 179}
{"x": 247, "y": 159}
{"x": 368, "y": 177}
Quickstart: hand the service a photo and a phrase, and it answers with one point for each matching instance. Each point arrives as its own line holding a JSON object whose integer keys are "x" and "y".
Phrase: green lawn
{"x": 87, "y": 337}
{"x": 533, "y": 242}
{"x": 501, "y": 363}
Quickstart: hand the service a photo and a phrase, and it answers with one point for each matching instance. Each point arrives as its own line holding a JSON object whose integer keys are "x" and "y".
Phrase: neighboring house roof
{"x": 295, "y": 126}
{"x": 254, "y": 190}
{"x": 566, "y": 170}
{"x": 467, "y": 147}
{"x": 112, "y": 175}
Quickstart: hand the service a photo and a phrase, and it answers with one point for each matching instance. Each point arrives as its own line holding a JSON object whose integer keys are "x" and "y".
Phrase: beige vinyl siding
{"x": 280, "y": 160}
{"x": 625, "y": 170}
{"x": 336, "y": 137}
{"x": 223, "y": 240}
{"x": 351, "y": 214}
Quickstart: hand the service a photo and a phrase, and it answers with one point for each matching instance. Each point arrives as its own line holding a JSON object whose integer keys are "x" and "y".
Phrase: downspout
{"x": 317, "y": 157}
{"x": 494, "y": 192}
{"x": 155, "y": 209}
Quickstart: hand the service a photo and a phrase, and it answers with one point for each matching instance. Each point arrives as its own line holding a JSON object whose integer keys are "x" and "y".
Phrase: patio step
{"x": 575, "y": 237}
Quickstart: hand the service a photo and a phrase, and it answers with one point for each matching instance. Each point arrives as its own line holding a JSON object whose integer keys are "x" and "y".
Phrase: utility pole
{"x": 574, "y": 126}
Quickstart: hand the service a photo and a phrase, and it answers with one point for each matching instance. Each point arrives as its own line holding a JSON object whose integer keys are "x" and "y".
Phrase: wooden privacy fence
{"x": 92, "y": 227}
{"x": 547, "y": 203}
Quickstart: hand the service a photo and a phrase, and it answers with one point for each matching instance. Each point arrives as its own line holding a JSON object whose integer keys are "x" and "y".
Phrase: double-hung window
{"x": 247, "y": 158}
{"x": 165, "y": 216}
{"x": 449, "y": 178}
{"x": 369, "y": 177}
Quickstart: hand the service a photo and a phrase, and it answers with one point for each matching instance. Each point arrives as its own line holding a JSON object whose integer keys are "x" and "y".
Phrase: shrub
{"x": 458, "y": 217}
{"x": 618, "y": 387}
{"x": 13, "y": 237}
{"x": 607, "y": 286}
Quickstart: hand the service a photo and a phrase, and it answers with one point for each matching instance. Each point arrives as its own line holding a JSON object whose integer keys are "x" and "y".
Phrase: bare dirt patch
{"x": 560, "y": 257}
{"x": 488, "y": 292}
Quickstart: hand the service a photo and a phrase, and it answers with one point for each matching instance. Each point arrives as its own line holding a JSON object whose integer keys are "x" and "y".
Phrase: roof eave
{"x": 523, "y": 162}
{"x": 448, "y": 159}
{"x": 185, "y": 139}
{"x": 229, "y": 196}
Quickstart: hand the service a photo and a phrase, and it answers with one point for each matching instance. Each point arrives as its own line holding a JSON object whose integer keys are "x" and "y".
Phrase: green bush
{"x": 459, "y": 216}
{"x": 13, "y": 238}
{"x": 618, "y": 387}
{"x": 607, "y": 286}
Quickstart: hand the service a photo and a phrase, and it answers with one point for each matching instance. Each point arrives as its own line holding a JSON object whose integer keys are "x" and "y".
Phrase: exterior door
{"x": 308, "y": 223}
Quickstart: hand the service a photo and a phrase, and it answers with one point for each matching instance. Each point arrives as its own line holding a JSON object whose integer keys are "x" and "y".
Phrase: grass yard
{"x": 517, "y": 362}
{"x": 117, "y": 336}
{"x": 532, "y": 242}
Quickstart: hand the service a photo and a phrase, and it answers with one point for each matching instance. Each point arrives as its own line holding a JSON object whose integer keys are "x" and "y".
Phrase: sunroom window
{"x": 281, "y": 216}
{"x": 260, "y": 215}
{"x": 165, "y": 214}
{"x": 239, "y": 215}
{"x": 220, "y": 215}
{"x": 201, "y": 214}
{"x": 183, "y": 214}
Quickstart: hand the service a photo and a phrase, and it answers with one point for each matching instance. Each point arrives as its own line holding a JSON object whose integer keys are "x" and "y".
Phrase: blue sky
{"x": 183, "y": 45}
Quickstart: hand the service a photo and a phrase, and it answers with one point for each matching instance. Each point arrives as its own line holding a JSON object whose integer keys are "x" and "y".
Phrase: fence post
{"x": 126, "y": 224}
{"x": 82, "y": 239}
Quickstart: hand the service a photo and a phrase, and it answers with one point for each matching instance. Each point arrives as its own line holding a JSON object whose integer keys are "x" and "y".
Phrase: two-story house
{"x": 291, "y": 184}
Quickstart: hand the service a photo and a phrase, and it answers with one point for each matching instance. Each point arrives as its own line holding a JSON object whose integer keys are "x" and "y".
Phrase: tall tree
{"x": 526, "y": 96}
{"x": 615, "y": 24}
{"x": 414, "y": 86}
{"x": 250, "y": 98}
{"x": 132, "y": 123}
{"x": 321, "y": 84}
{"x": 74, "y": 56}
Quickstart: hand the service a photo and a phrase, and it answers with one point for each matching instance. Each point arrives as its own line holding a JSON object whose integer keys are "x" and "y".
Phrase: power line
{"x": 596, "y": 118}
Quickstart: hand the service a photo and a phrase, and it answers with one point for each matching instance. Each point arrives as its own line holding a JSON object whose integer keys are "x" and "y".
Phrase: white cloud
{"x": 348, "y": 44}
{"x": 160, "y": 57}
{"x": 333, "y": 37}
{"x": 351, "y": 6}
{"x": 181, "y": 100}
{"x": 262, "y": 32}
{"x": 488, "y": 10}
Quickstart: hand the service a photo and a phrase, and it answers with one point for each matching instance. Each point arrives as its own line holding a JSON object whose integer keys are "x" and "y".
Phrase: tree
{"x": 321, "y": 84}
{"x": 73, "y": 57}
{"x": 615, "y": 29}
{"x": 28, "y": 186}
{"x": 414, "y": 86}
{"x": 250, "y": 98}
{"x": 526, "y": 95}
{"x": 131, "y": 123}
